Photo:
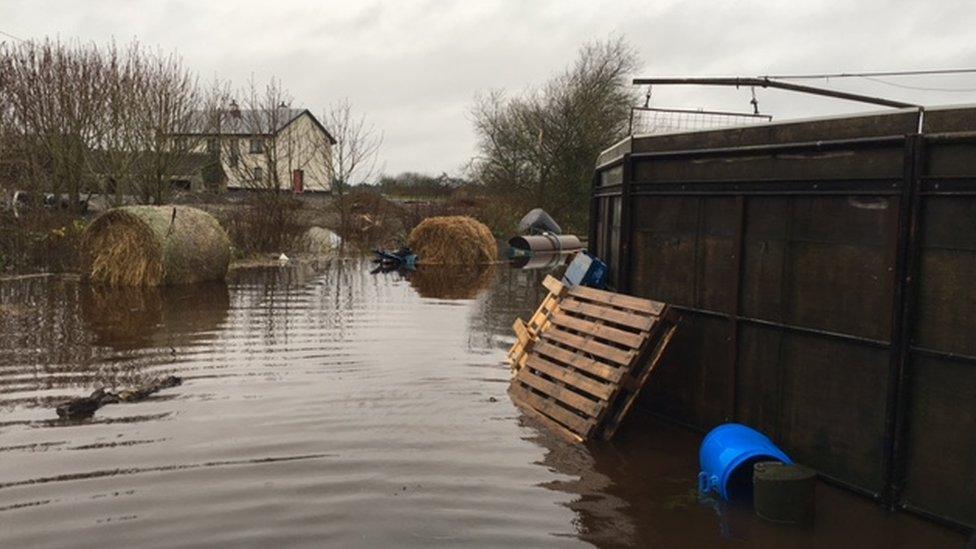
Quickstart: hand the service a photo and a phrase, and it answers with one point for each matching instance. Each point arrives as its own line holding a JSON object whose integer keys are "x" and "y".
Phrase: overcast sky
{"x": 414, "y": 68}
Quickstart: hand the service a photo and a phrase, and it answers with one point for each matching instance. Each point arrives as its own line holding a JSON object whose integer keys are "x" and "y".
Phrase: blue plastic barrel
{"x": 730, "y": 450}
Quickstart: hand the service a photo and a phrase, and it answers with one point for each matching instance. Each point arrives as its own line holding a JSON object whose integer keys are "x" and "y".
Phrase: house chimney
{"x": 234, "y": 109}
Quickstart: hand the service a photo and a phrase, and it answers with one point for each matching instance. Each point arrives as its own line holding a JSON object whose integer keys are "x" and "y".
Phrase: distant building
{"x": 253, "y": 144}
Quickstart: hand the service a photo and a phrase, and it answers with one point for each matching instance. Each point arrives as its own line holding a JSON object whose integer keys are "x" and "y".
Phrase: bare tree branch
{"x": 541, "y": 146}
{"x": 353, "y": 158}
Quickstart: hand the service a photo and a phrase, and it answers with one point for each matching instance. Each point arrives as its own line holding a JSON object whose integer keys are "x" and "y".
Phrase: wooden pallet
{"x": 583, "y": 357}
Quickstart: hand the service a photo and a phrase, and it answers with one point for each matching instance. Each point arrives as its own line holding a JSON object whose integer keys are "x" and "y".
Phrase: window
{"x": 257, "y": 146}
{"x": 258, "y": 174}
{"x": 212, "y": 145}
{"x": 235, "y": 152}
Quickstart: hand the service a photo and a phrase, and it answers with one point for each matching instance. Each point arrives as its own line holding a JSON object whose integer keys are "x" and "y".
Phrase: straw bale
{"x": 453, "y": 240}
{"x": 154, "y": 245}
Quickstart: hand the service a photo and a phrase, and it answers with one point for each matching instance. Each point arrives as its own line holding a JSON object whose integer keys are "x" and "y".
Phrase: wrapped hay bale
{"x": 319, "y": 241}
{"x": 453, "y": 240}
{"x": 154, "y": 245}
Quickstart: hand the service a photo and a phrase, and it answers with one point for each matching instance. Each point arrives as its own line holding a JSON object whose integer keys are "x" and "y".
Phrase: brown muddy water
{"x": 328, "y": 406}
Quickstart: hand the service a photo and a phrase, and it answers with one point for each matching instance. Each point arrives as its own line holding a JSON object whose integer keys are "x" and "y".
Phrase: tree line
{"x": 539, "y": 148}
{"x": 124, "y": 121}
{"x": 79, "y": 118}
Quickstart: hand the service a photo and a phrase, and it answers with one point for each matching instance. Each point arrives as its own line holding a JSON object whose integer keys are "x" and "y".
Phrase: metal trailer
{"x": 825, "y": 270}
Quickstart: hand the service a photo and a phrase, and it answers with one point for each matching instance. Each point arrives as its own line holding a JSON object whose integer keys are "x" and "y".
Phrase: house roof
{"x": 251, "y": 122}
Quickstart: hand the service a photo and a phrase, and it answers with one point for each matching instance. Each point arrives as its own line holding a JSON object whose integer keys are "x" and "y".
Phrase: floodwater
{"x": 323, "y": 405}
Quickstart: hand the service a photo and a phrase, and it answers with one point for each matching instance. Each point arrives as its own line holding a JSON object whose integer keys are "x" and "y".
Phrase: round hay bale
{"x": 154, "y": 245}
{"x": 453, "y": 240}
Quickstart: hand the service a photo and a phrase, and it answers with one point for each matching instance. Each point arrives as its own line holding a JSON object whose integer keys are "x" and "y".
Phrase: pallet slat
{"x": 578, "y": 361}
{"x": 570, "y": 377}
{"x": 616, "y": 316}
{"x": 630, "y": 339}
{"x": 618, "y": 300}
{"x": 554, "y": 285}
{"x": 549, "y": 408}
{"x": 589, "y": 346}
{"x": 553, "y": 426}
{"x": 560, "y": 392}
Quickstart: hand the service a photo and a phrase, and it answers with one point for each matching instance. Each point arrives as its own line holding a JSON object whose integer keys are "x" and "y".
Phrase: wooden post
{"x": 623, "y": 277}
{"x": 784, "y": 493}
{"x": 594, "y": 214}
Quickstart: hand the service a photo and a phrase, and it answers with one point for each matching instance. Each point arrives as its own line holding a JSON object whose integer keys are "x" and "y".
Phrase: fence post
{"x": 906, "y": 266}
{"x": 594, "y": 213}
{"x": 623, "y": 251}
{"x": 739, "y": 260}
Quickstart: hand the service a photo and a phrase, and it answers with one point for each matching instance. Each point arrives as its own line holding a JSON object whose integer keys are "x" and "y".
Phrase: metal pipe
{"x": 869, "y": 73}
{"x": 776, "y": 147}
{"x": 769, "y": 83}
{"x": 786, "y": 327}
{"x": 546, "y": 243}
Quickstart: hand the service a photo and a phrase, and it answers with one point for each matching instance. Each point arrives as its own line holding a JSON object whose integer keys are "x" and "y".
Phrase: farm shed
{"x": 825, "y": 273}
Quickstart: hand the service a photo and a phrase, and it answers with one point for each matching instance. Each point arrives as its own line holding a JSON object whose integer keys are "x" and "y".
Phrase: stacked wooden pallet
{"x": 581, "y": 360}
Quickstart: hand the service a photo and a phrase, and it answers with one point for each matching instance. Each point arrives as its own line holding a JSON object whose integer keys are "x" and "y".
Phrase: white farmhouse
{"x": 261, "y": 149}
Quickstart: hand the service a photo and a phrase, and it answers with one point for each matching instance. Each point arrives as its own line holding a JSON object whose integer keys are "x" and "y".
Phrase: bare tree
{"x": 352, "y": 159}
{"x": 116, "y": 154}
{"x": 541, "y": 147}
{"x": 56, "y": 94}
{"x": 166, "y": 122}
{"x": 7, "y": 148}
{"x": 95, "y": 118}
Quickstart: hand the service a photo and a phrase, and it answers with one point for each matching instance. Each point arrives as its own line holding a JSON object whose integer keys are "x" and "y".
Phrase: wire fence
{"x": 650, "y": 120}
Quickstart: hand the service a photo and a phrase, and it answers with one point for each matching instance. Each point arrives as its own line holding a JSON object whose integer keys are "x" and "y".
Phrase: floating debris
{"x": 402, "y": 258}
{"x": 83, "y": 407}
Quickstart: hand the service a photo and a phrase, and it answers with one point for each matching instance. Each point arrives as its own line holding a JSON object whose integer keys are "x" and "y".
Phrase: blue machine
{"x": 586, "y": 270}
{"x": 729, "y": 452}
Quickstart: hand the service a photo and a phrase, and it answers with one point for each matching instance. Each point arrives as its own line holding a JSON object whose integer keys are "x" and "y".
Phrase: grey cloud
{"x": 415, "y": 67}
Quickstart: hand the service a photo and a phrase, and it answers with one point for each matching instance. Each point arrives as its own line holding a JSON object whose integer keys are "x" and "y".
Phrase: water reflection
{"x": 546, "y": 261}
{"x": 452, "y": 281}
{"x": 138, "y": 317}
{"x": 603, "y": 518}
{"x": 514, "y": 293}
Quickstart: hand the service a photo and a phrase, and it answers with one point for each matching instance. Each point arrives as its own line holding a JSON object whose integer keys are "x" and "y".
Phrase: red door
{"x": 298, "y": 181}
